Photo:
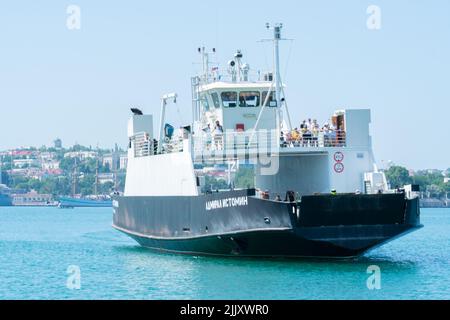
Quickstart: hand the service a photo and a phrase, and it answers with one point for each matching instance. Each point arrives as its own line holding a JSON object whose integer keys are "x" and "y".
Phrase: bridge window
{"x": 272, "y": 102}
{"x": 205, "y": 103}
{"x": 249, "y": 99}
{"x": 229, "y": 99}
{"x": 215, "y": 99}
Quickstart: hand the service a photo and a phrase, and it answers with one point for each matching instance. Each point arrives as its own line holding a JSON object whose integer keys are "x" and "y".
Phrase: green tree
{"x": 34, "y": 184}
{"x": 106, "y": 188}
{"x": 245, "y": 178}
{"x": 67, "y": 164}
{"x": 398, "y": 176}
{"x": 19, "y": 182}
{"x": 88, "y": 166}
{"x": 213, "y": 184}
{"x": 86, "y": 185}
{"x": 432, "y": 182}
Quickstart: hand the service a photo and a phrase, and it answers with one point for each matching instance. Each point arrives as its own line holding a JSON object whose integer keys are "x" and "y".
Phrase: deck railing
{"x": 239, "y": 142}
{"x": 335, "y": 138}
{"x": 144, "y": 146}
{"x": 265, "y": 141}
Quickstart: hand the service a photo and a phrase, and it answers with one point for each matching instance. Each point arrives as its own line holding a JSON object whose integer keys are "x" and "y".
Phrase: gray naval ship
{"x": 318, "y": 192}
{"x": 5, "y": 192}
{"x": 5, "y": 197}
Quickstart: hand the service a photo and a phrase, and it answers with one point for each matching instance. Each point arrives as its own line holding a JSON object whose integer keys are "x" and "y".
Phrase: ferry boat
{"x": 316, "y": 195}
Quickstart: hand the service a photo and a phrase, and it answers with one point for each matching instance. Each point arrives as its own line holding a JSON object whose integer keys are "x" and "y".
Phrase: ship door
{"x": 338, "y": 122}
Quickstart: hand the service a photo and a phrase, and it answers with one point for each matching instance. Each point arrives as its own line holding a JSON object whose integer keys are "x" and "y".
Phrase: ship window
{"x": 229, "y": 99}
{"x": 205, "y": 103}
{"x": 272, "y": 102}
{"x": 249, "y": 99}
{"x": 215, "y": 99}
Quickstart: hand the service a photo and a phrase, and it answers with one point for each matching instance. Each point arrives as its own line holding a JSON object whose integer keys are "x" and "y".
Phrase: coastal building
{"x": 21, "y": 153}
{"x": 123, "y": 161}
{"x": 32, "y": 198}
{"x": 57, "y": 144}
{"x": 108, "y": 160}
{"x": 115, "y": 161}
{"x": 50, "y": 165}
{"x": 24, "y": 163}
{"x": 431, "y": 203}
{"x": 46, "y": 156}
{"x": 105, "y": 177}
{"x": 82, "y": 155}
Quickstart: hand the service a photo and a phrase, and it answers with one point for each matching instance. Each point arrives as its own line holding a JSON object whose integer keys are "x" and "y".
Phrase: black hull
{"x": 323, "y": 226}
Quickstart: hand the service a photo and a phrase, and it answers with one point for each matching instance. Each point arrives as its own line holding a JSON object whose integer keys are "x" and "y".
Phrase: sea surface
{"x": 51, "y": 253}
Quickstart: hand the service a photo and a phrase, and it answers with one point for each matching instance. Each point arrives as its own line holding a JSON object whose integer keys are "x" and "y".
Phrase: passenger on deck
{"x": 295, "y": 137}
{"x": 290, "y": 196}
{"x": 315, "y": 133}
{"x": 326, "y": 135}
{"x": 303, "y": 125}
{"x": 218, "y": 136}
{"x": 310, "y": 134}
{"x": 207, "y": 136}
{"x": 283, "y": 142}
{"x": 306, "y": 136}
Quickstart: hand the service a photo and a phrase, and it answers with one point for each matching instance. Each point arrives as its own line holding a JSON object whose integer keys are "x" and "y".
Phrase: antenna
{"x": 238, "y": 57}
{"x": 207, "y": 73}
{"x": 205, "y": 63}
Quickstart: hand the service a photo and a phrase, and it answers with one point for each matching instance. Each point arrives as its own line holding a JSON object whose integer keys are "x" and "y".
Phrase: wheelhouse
{"x": 237, "y": 106}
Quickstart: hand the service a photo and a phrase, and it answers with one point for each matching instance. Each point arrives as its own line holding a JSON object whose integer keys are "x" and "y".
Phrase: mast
{"x": 277, "y": 73}
{"x": 205, "y": 63}
{"x": 74, "y": 178}
{"x": 96, "y": 180}
{"x": 115, "y": 165}
{"x": 276, "y": 48}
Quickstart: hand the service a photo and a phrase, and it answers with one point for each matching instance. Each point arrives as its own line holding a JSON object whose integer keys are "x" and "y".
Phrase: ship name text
{"x": 226, "y": 203}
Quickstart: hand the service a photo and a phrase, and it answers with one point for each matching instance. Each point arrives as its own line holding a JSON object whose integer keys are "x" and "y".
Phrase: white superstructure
{"x": 238, "y": 117}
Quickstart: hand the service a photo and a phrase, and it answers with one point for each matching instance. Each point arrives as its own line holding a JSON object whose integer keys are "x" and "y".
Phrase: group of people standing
{"x": 307, "y": 135}
{"x": 215, "y": 135}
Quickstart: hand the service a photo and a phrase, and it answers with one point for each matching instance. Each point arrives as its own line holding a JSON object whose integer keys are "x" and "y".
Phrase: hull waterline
{"x": 343, "y": 227}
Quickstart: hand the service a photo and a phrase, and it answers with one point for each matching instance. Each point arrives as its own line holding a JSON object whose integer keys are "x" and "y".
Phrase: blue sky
{"x": 79, "y": 85}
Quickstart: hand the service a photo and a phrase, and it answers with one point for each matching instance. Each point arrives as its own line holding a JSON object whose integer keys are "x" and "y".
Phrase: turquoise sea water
{"x": 37, "y": 246}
